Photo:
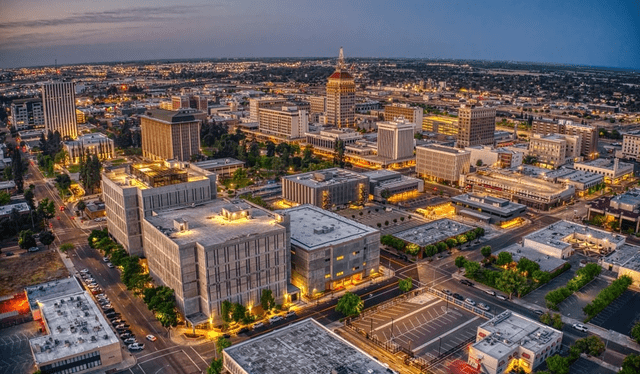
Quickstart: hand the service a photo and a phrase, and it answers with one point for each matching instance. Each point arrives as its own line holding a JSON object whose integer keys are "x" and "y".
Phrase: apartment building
{"x": 286, "y": 122}
{"x": 59, "y": 108}
{"x": 477, "y": 125}
{"x": 442, "y": 164}
{"x": 318, "y": 104}
{"x": 588, "y": 134}
{"x": 554, "y": 150}
{"x": 631, "y": 145}
{"x": 170, "y": 135}
{"x": 27, "y": 114}
{"x": 255, "y": 104}
{"x": 395, "y": 139}
{"x": 132, "y": 192}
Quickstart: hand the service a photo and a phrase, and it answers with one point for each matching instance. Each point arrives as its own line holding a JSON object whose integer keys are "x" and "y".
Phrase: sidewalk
{"x": 128, "y": 361}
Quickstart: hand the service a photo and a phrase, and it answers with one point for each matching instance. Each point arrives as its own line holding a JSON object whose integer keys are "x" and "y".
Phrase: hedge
{"x": 582, "y": 277}
{"x": 607, "y": 295}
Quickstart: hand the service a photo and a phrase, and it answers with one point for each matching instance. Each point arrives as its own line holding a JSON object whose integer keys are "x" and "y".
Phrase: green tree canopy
{"x": 485, "y": 251}
{"x": 558, "y": 364}
{"x": 266, "y": 300}
{"x": 26, "y": 239}
{"x": 504, "y": 258}
{"x": 460, "y": 261}
{"x": 46, "y": 238}
{"x": 631, "y": 364}
{"x": 405, "y": 285}
{"x": 350, "y": 305}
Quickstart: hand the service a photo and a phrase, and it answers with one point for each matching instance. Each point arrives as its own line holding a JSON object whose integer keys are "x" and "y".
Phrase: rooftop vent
{"x": 323, "y": 230}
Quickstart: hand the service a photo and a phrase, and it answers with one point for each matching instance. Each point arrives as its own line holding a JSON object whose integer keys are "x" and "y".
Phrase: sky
{"x": 583, "y": 32}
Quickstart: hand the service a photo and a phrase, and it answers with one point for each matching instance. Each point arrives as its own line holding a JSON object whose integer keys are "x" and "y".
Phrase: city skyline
{"x": 578, "y": 33}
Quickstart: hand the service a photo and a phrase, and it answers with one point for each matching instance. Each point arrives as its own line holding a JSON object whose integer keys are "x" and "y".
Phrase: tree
{"x": 61, "y": 158}
{"x": 266, "y": 300}
{"x": 215, "y": 367}
{"x": 226, "y": 309}
{"x": 46, "y": 238}
{"x": 510, "y": 281}
{"x": 504, "y": 258}
{"x": 635, "y": 332}
{"x": 81, "y": 205}
{"x": 460, "y": 261}
{"x": 451, "y": 242}
{"x": 350, "y": 305}
{"x": 472, "y": 268}
{"x": 26, "y": 239}
{"x": 18, "y": 170}
{"x": 479, "y": 163}
{"x": 541, "y": 276}
{"x": 405, "y": 285}
{"x": 5, "y": 198}
{"x": 30, "y": 197}
{"x": 485, "y": 251}
{"x": 339, "y": 149}
{"x": 441, "y": 246}
{"x": 527, "y": 267}
{"x": 558, "y": 364}
{"x": 46, "y": 209}
{"x": 631, "y": 364}
{"x": 412, "y": 249}
{"x": 238, "y": 313}
{"x": 222, "y": 343}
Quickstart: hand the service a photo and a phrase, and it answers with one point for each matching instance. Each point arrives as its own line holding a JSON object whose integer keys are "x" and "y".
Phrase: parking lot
{"x": 621, "y": 314}
{"x": 425, "y": 324}
{"x": 572, "y": 305}
{"x": 15, "y": 353}
{"x": 582, "y": 365}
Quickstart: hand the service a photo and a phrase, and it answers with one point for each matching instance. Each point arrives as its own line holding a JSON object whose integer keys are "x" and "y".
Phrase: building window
{"x": 356, "y": 252}
{"x": 355, "y": 268}
{"x": 339, "y": 273}
{"x": 326, "y": 276}
{"x": 339, "y": 258}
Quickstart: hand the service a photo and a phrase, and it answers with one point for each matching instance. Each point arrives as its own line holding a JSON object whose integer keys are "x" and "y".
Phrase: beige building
{"x": 265, "y": 102}
{"x": 27, "y": 114}
{"x": 631, "y": 145}
{"x": 395, "y": 139}
{"x": 318, "y": 104}
{"x": 179, "y": 102}
{"x": 495, "y": 157}
{"x": 441, "y": 124}
{"x": 341, "y": 97}
{"x": 477, "y": 126}
{"x": 554, "y": 150}
{"x": 614, "y": 171}
{"x": 78, "y": 338}
{"x": 218, "y": 251}
{"x": 59, "y": 107}
{"x": 440, "y": 163}
{"x": 588, "y": 134}
{"x": 132, "y": 192}
{"x": 411, "y": 114}
{"x": 326, "y": 188}
{"x": 94, "y": 144}
{"x": 285, "y": 122}
{"x": 170, "y": 135}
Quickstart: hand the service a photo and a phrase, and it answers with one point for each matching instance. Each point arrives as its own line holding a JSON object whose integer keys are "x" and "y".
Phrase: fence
{"x": 460, "y": 303}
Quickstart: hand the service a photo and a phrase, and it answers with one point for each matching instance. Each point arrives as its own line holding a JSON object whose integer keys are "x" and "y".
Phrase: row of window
{"x": 74, "y": 364}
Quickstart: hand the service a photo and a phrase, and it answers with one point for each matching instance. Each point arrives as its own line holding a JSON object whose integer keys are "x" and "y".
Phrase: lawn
{"x": 18, "y": 272}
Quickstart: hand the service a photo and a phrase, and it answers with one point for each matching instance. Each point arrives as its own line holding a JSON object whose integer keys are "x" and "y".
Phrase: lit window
{"x": 327, "y": 276}
{"x": 339, "y": 258}
{"x": 340, "y": 273}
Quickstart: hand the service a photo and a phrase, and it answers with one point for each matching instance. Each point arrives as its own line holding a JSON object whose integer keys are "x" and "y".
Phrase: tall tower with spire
{"x": 341, "y": 96}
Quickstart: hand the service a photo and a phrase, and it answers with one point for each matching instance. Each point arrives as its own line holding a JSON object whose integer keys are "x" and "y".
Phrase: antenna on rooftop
{"x": 341, "y": 59}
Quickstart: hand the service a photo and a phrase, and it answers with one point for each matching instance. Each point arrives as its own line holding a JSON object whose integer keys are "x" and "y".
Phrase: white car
{"x": 258, "y": 325}
{"x": 151, "y": 338}
{"x": 469, "y": 301}
{"x": 110, "y": 265}
{"x": 580, "y": 327}
{"x": 84, "y": 270}
{"x": 275, "y": 319}
{"x": 105, "y": 259}
{"x": 483, "y": 306}
{"x": 501, "y": 297}
{"x": 490, "y": 292}
{"x": 136, "y": 347}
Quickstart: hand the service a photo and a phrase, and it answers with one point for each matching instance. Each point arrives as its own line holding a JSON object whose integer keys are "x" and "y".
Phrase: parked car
{"x": 84, "y": 270}
{"x": 136, "y": 347}
{"x": 538, "y": 312}
{"x": 226, "y": 336}
{"x": 9, "y": 254}
{"x": 122, "y": 326}
{"x": 129, "y": 340}
{"x": 290, "y": 314}
{"x": 115, "y": 322}
{"x": 151, "y": 338}
{"x": 446, "y": 291}
{"x": 258, "y": 325}
{"x": 111, "y": 315}
{"x": 33, "y": 249}
{"x": 483, "y": 306}
{"x": 125, "y": 335}
{"x": 110, "y": 265}
{"x": 490, "y": 292}
{"x": 466, "y": 282}
{"x": 580, "y": 327}
{"x": 469, "y": 301}
{"x": 108, "y": 310}
{"x": 275, "y": 319}
{"x": 501, "y": 297}
{"x": 457, "y": 296}
{"x": 105, "y": 259}
{"x": 243, "y": 330}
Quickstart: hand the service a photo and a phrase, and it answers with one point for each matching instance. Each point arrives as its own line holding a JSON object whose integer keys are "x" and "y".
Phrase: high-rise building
{"x": 442, "y": 164}
{"x": 410, "y": 113}
{"x": 133, "y": 192}
{"x": 477, "y": 125}
{"x": 256, "y": 104}
{"x": 341, "y": 96}
{"x": 59, "y": 106}
{"x": 287, "y": 122}
{"x": 318, "y": 104}
{"x": 395, "y": 139}
{"x": 631, "y": 145}
{"x": 170, "y": 135}
{"x": 26, "y": 114}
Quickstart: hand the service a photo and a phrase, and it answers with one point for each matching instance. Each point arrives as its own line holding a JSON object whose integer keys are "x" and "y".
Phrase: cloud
{"x": 140, "y": 14}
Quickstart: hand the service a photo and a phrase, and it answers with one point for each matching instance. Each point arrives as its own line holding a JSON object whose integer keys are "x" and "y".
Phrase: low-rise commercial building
{"x": 433, "y": 232}
{"x": 581, "y": 180}
{"x": 287, "y": 122}
{"x": 563, "y": 238}
{"x": 441, "y": 124}
{"x": 90, "y": 144}
{"x": 412, "y": 114}
{"x": 387, "y": 185}
{"x": 509, "y": 341}
{"x": 494, "y": 157}
{"x": 223, "y": 167}
{"x": 614, "y": 171}
{"x": 546, "y": 262}
{"x": 624, "y": 208}
{"x": 21, "y": 208}
{"x": 329, "y": 251}
{"x": 78, "y": 338}
{"x": 487, "y": 208}
{"x": 588, "y": 134}
{"x": 302, "y": 347}
{"x": 326, "y": 188}
{"x": 554, "y": 150}
{"x": 624, "y": 261}
{"x": 532, "y": 192}
{"x": 442, "y": 164}
{"x": 132, "y": 192}
{"x": 217, "y": 251}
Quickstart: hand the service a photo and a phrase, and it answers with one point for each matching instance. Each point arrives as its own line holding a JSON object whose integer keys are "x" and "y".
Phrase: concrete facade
{"x": 411, "y": 114}
{"x": 554, "y": 150}
{"x": 94, "y": 144}
{"x": 59, "y": 107}
{"x": 440, "y": 163}
{"x": 614, "y": 171}
{"x": 326, "y": 188}
{"x": 477, "y": 126}
{"x": 27, "y": 113}
{"x": 170, "y": 135}
{"x": 286, "y": 122}
{"x": 341, "y": 97}
{"x": 588, "y": 134}
{"x": 395, "y": 139}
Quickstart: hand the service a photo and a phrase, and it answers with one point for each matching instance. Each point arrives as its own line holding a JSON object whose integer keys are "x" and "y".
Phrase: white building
{"x": 613, "y": 171}
{"x": 495, "y": 157}
{"x": 631, "y": 145}
{"x": 256, "y": 104}
{"x": 27, "y": 113}
{"x": 287, "y": 122}
{"x": 395, "y": 139}
{"x": 440, "y": 163}
{"x": 94, "y": 144}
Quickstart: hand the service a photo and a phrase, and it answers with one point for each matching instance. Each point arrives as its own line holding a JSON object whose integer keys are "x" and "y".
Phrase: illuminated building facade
{"x": 27, "y": 114}
{"x": 477, "y": 125}
{"x": 93, "y": 144}
{"x": 59, "y": 107}
{"x": 442, "y": 164}
{"x": 395, "y": 139}
{"x": 409, "y": 113}
{"x": 170, "y": 135}
{"x": 326, "y": 188}
{"x": 588, "y": 134}
{"x": 341, "y": 97}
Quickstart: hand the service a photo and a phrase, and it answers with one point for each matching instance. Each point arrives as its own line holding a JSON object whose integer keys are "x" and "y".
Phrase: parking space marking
{"x": 445, "y": 334}
{"x": 410, "y": 314}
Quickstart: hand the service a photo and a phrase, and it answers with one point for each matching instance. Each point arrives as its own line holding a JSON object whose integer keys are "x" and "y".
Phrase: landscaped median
{"x": 582, "y": 277}
{"x": 606, "y": 296}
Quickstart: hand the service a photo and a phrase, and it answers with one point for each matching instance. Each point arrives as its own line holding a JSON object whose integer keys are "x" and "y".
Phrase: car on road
{"x": 243, "y": 330}
{"x": 490, "y": 292}
{"x": 33, "y": 249}
{"x": 457, "y": 296}
{"x": 580, "y": 327}
{"x": 110, "y": 265}
{"x": 501, "y": 297}
{"x": 469, "y": 301}
{"x": 129, "y": 341}
{"x": 106, "y": 306}
{"x": 538, "y": 312}
{"x": 136, "y": 347}
{"x": 483, "y": 306}
{"x": 84, "y": 270}
{"x": 290, "y": 314}
{"x": 275, "y": 319}
{"x": 258, "y": 325}
{"x": 446, "y": 291}
{"x": 151, "y": 338}
{"x": 466, "y": 282}
{"x": 105, "y": 259}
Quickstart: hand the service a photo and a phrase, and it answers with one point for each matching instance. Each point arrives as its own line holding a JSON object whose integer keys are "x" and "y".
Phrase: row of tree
{"x": 560, "y": 365}
{"x": 607, "y": 295}
{"x": 580, "y": 279}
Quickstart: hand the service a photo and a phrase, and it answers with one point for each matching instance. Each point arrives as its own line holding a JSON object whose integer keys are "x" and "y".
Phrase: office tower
{"x": 287, "y": 122}
{"x": 318, "y": 104}
{"x": 341, "y": 96}
{"x": 395, "y": 139}
{"x": 199, "y": 102}
{"x": 554, "y": 150}
{"x": 218, "y": 251}
{"x": 26, "y": 114}
{"x": 59, "y": 105}
{"x": 442, "y": 164}
{"x": 477, "y": 125}
{"x": 410, "y": 113}
{"x": 264, "y": 102}
{"x": 179, "y": 102}
{"x": 133, "y": 192}
{"x": 170, "y": 135}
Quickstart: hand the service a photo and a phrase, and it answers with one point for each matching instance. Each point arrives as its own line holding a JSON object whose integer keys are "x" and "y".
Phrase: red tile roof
{"x": 340, "y": 75}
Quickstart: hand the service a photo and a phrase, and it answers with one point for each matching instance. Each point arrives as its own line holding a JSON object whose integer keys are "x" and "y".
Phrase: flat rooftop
{"x": 213, "y": 223}
{"x": 325, "y": 177}
{"x": 89, "y": 139}
{"x": 509, "y": 329}
{"x": 516, "y": 180}
{"x": 125, "y": 175}
{"x": 313, "y": 228}
{"x": 20, "y": 207}
{"x": 52, "y": 290}
{"x": 303, "y": 347}
{"x": 75, "y": 325}
{"x": 444, "y": 149}
{"x": 489, "y": 203}
{"x": 547, "y": 263}
{"x": 623, "y": 255}
{"x": 631, "y": 198}
{"x": 433, "y": 232}
{"x": 605, "y": 163}
{"x": 561, "y": 233}
{"x": 218, "y": 163}
{"x": 170, "y": 116}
